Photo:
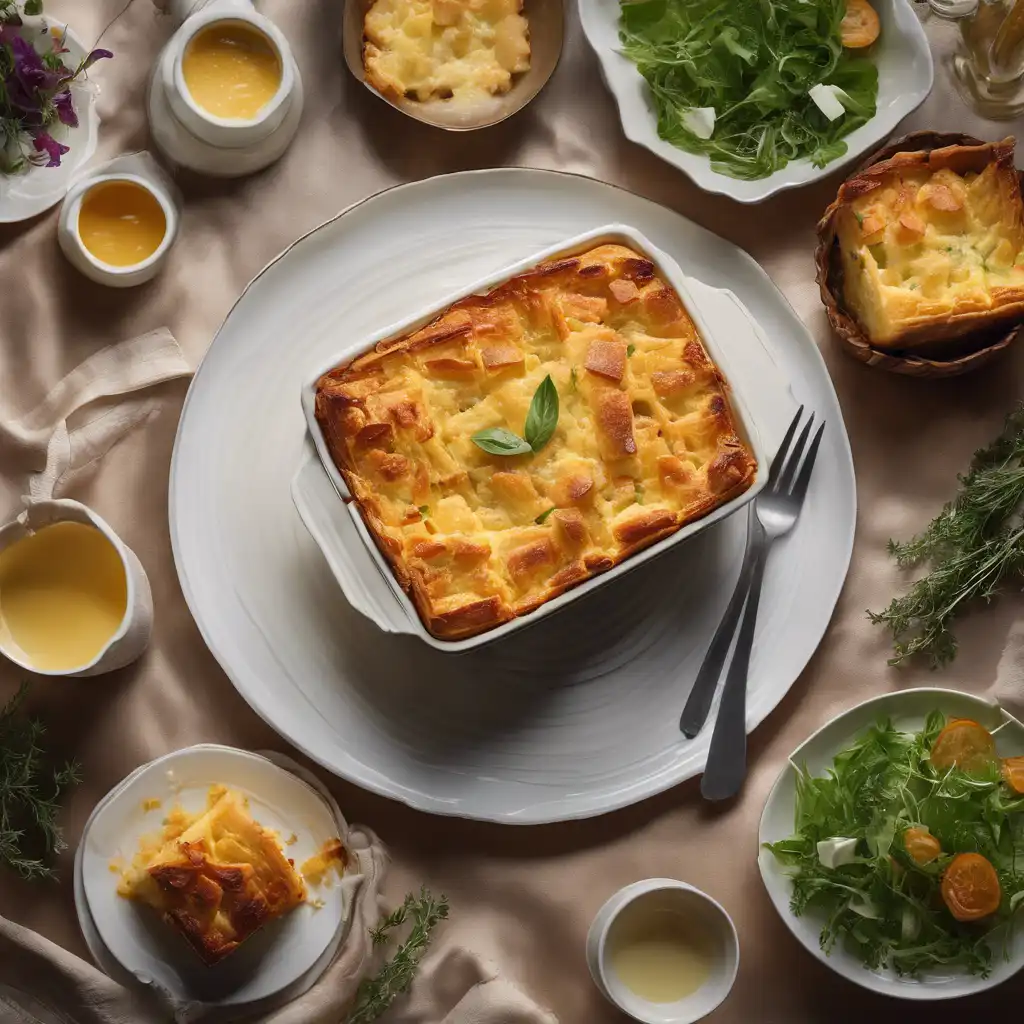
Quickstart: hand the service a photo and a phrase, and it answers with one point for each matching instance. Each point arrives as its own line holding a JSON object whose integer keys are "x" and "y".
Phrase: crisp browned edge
{"x": 955, "y": 353}
{"x": 471, "y": 619}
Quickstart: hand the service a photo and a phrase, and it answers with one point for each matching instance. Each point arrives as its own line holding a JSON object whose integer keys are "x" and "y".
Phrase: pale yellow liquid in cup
{"x": 232, "y": 70}
{"x": 121, "y": 223}
{"x": 63, "y": 595}
{"x": 659, "y": 955}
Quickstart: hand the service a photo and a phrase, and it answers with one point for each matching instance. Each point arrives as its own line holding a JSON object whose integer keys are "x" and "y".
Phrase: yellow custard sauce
{"x": 121, "y": 223}
{"x": 231, "y": 69}
{"x": 63, "y": 595}
{"x": 659, "y": 955}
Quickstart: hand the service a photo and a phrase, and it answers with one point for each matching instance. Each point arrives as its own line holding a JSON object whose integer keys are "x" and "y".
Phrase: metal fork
{"x": 776, "y": 510}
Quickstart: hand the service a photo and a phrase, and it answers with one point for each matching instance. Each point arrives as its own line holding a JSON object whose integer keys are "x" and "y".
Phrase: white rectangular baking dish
{"x": 363, "y": 573}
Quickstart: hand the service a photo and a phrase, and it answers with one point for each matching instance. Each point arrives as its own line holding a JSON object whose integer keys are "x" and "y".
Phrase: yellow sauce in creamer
{"x": 659, "y": 956}
{"x": 121, "y": 223}
{"x": 63, "y": 595}
{"x": 231, "y": 69}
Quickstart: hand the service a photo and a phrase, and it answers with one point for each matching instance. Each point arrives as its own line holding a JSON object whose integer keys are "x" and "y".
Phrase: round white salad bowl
{"x": 908, "y": 710}
{"x": 27, "y": 195}
{"x": 905, "y": 77}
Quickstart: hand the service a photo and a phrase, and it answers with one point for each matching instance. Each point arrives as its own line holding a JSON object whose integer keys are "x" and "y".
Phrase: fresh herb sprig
{"x": 886, "y": 908}
{"x": 376, "y": 994}
{"x": 29, "y": 794}
{"x": 541, "y": 420}
{"x": 973, "y": 547}
{"x": 754, "y": 63}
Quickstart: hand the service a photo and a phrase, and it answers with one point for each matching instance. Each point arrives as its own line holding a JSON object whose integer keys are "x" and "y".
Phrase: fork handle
{"x": 698, "y": 704}
{"x": 727, "y": 759}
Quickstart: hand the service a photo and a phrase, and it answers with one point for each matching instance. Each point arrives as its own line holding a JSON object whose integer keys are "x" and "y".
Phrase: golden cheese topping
{"x": 216, "y": 877}
{"x": 931, "y": 243}
{"x": 645, "y": 440}
{"x": 437, "y": 49}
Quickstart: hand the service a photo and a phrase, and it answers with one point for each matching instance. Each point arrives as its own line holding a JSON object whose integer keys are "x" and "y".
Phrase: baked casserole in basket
{"x": 642, "y": 441}
{"x": 932, "y": 245}
{"x": 218, "y": 877}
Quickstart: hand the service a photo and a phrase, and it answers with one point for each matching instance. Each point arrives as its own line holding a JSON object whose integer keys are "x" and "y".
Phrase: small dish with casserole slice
{"x": 921, "y": 256}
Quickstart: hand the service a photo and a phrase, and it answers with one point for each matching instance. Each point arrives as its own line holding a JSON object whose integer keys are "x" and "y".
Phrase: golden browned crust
{"x": 903, "y": 197}
{"x": 646, "y": 441}
{"x": 213, "y": 902}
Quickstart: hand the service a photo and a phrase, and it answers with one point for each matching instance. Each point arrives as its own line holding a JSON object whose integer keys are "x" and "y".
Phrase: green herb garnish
{"x": 541, "y": 519}
{"x": 638, "y": 494}
{"x": 376, "y": 994}
{"x": 753, "y": 62}
{"x": 424, "y": 510}
{"x": 541, "y": 420}
{"x": 886, "y": 907}
{"x": 630, "y": 349}
{"x": 29, "y": 794}
{"x": 572, "y": 377}
{"x": 973, "y": 547}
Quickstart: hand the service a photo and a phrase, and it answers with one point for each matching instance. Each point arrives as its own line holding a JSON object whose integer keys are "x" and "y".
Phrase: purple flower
{"x": 95, "y": 56}
{"x": 45, "y": 143}
{"x": 65, "y": 107}
{"x": 29, "y": 68}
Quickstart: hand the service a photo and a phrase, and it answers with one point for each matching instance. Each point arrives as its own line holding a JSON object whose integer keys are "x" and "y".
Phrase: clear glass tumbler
{"x": 989, "y": 66}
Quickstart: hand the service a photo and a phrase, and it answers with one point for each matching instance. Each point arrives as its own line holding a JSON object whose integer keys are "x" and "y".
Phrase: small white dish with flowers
{"x": 48, "y": 118}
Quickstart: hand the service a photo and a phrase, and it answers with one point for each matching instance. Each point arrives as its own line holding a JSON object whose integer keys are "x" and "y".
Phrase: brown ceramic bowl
{"x": 947, "y": 358}
{"x": 547, "y": 32}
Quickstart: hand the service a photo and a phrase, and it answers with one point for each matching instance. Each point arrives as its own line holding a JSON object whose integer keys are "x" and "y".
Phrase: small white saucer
{"x": 184, "y": 148}
{"x": 27, "y": 195}
{"x": 128, "y": 939}
{"x": 710, "y": 915}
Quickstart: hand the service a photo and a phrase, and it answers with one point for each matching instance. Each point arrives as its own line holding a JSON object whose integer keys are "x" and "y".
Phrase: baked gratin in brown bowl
{"x": 646, "y": 441}
{"x": 427, "y": 71}
{"x": 920, "y": 260}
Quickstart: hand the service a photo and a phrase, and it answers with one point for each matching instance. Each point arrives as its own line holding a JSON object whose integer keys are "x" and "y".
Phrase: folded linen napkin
{"x": 40, "y": 983}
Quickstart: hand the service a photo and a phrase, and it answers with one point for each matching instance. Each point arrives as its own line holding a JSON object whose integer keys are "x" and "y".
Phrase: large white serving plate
{"x": 905, "y": 77}
{"x": 908, "y": 710}
{"x": 573, "y": 717}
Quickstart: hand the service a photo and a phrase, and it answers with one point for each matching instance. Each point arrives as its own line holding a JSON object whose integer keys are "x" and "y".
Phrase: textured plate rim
{"x": 885, "y": 983}
{"x": 626, "y": 796}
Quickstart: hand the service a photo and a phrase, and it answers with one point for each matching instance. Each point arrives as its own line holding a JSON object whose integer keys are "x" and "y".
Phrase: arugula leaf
{"x": 542, "y": 418}
{"x": 754, "y": 62}
{"x": 879, "y": 786}
{"x": 499, "y": 441}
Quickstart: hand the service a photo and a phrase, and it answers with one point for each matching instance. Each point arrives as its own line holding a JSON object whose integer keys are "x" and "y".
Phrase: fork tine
{"x": 788, "y": 474}
{"x": 780, "y": 455}
{"x": 800, "y": 487}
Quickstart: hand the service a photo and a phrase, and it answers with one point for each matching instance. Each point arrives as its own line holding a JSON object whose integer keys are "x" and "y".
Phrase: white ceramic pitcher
{"x": 115, "y": 371}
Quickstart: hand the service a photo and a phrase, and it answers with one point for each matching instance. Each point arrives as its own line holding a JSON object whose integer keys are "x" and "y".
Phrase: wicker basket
{"x": 959, "y": 355}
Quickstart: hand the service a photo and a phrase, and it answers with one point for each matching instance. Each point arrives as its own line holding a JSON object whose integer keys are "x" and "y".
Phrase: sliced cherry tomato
{"x": 860, "y": 26}
{"x": 1013, "y": 773}
{"x": 970, "y": 887}
{"x": 921, "y": 845}
{"x": 965, "y": 744}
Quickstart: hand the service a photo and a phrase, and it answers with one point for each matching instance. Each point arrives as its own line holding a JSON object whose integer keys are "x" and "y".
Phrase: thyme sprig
{"x": 29, "y": 793}
{"x": 973, "y": 548}
{"x": 376, "y": 994}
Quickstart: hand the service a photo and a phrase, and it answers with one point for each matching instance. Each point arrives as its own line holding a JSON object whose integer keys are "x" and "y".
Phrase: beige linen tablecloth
{"x": 523, "y": 897}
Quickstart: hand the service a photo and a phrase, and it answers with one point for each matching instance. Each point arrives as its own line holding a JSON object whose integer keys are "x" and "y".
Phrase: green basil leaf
{"x": 543, "y": 516}
{"x": 542, "y": 418}
{"x": 499, "y": 441}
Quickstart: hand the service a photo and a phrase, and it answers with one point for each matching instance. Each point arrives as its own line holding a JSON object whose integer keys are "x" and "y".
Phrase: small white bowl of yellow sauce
{"x": 232, "y": 76}
{"x": 74, "y": 600}
{"x": 118, "y": 228}
{"x": 663, "y": 952}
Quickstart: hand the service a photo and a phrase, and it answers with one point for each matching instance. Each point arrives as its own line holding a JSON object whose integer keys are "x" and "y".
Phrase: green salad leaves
{"x": 885, "y": 907}
{"x": 754, "y": 62}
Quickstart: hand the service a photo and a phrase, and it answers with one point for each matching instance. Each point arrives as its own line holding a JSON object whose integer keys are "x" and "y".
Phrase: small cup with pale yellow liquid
{"x": 117, "y": 228}
{"x": 74, "y": 600}
{"x": 232, "y": 78}
{"x": 663, "y": 952}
